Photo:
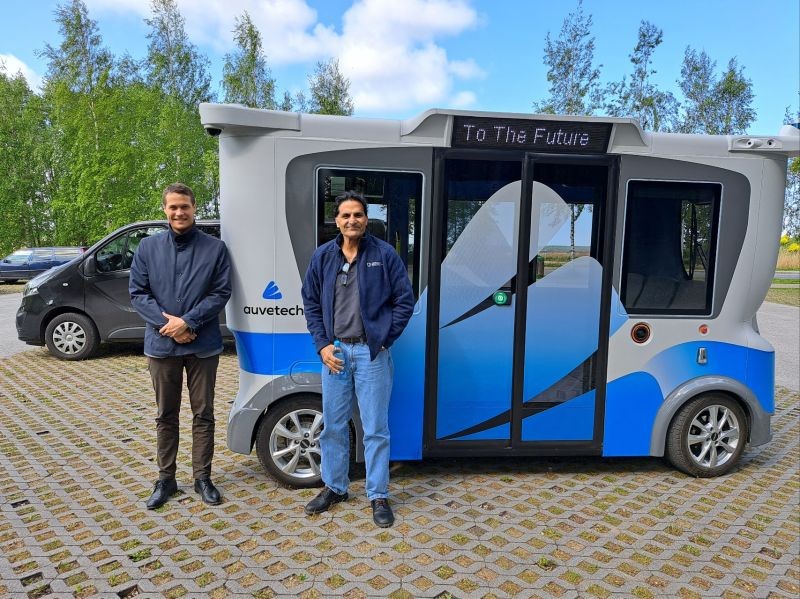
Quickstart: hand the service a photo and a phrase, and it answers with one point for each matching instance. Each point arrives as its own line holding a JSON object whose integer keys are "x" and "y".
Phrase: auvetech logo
{"x": 271, "y": 292}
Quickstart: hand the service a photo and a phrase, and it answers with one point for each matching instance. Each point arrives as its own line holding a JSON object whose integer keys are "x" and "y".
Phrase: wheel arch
{"x": 65, "y": 310}
{"x": 758, "y": 420}
{"x": 294, "y": 391}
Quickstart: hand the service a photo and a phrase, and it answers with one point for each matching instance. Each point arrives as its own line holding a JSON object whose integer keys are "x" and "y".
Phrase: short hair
{"x": 350, "y": 195}
{"x": 179, "y": 188}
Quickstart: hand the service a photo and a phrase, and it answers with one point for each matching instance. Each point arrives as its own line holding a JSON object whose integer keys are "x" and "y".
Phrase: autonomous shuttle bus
{"x": 582, "y": 287}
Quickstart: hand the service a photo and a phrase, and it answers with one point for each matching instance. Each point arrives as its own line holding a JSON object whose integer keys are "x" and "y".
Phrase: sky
{"x": 405, "y": 56}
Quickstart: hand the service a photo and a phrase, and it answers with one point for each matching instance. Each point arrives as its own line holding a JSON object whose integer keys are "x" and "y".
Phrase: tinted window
{"x": 393, "y": 199}
{"x": 670, "y": 247}
{"x": 118, "y": 253}
{"x": 67, "y": 253}
{"x": 43, "y": 254}
{"x": 19, "y": 257}
{"x": 212, "y": 230}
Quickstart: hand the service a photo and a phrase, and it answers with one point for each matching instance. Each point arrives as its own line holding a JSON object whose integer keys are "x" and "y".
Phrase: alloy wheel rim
{"x": 714, "y": 436}
{"x": 294, "y": 443}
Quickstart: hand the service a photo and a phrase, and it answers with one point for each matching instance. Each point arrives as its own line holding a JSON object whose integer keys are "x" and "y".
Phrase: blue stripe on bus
{"x": 276, "y": 353}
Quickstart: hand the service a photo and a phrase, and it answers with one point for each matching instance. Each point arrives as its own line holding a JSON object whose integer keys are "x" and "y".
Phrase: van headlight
{"x": 30, "y": 290}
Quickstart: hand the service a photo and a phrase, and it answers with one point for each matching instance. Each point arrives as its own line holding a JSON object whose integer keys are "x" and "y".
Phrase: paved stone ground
{"x": 76, "y": 464}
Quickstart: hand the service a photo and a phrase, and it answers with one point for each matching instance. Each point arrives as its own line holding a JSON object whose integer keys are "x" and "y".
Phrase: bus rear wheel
{"x": 287, "y": 441}
{"x": 707, "y": 436}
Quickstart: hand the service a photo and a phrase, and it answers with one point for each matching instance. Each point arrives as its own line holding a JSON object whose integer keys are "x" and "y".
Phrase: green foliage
{"x": 639, "y": 98}
{"x": 24, "y": 211}
{"x": 173, "y": 63}
{"x": 791, "y": 204}
{"x": 330, "y": 90}
{"x": 573, "y": 78}
{"x": 94, "y": 151}
{"x": 246, "y": 77}
{"x": 714, "y": 105}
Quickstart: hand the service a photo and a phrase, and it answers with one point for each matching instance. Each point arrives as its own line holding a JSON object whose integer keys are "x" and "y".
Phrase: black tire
{"x": 10, "y": 281}
{"x": 71, "y": 336}
{"x": 287, "y": 441}
{"x": 707, "y": 436}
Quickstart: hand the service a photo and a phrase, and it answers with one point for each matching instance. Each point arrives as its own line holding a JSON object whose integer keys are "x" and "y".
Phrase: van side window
{"x": 42, "y": 254}
{"x": 118, "y": 253}
{"x": 670, "y": 247}
{"x": 393, "y": 201}
{"x": 63, "y": 254}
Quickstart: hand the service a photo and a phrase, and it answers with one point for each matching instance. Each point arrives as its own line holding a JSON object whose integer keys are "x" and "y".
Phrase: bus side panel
{"x": 632, "y": 402}
{"x": 642, "y": 376}
{"x": 406, "y": 410}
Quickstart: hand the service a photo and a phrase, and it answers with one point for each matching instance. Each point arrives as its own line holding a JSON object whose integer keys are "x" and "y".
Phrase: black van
{"x": 73, "y": 307}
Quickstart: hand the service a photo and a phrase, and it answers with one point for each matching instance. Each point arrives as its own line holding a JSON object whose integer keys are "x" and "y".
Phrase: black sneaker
{"x": 163, "y": 490}
{"x": 324, "y": 500}
{"x": 381, "y": 513}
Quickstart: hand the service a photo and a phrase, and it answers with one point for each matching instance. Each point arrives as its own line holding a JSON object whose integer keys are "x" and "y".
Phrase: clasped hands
{"x": 177, "y": 329}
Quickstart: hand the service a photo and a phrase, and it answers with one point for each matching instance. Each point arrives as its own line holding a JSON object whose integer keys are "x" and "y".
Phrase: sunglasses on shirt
{"x": 344, "y": 271}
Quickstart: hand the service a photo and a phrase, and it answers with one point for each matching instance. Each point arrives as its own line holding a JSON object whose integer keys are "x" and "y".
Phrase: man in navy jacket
{"x": 180, "y": 281}
{"x": 357, "y": 294}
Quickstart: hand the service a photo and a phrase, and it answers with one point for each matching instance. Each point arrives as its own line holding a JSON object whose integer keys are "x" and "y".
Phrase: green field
{"x": 790, "y": 297}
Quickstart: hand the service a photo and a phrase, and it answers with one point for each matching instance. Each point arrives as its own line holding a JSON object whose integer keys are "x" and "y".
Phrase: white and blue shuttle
{"x": 583, "y": 287}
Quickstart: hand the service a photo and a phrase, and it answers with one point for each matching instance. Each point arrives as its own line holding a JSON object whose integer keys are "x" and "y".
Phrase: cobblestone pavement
{"x": 77, "y": 446}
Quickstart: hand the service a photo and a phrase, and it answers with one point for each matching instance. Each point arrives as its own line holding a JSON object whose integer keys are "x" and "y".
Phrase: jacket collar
{"x": 183, "y": 237}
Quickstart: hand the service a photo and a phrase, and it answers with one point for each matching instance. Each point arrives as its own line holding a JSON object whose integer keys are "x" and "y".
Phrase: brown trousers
{"x": 201, "y": 376}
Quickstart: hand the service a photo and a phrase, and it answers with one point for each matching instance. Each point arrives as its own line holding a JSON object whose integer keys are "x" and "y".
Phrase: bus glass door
{"x": 519, "y": 324}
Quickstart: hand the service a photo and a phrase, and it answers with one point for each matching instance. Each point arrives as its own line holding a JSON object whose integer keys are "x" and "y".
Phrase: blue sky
{"x": 404, "y": 56}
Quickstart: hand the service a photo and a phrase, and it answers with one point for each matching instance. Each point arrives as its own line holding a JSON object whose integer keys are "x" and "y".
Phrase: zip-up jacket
{"x": 384, "y": 292}
{"x": 186, "y": 275}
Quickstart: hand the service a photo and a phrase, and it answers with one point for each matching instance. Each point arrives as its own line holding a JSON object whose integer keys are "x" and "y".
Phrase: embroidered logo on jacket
{"x": 371, "y": 264}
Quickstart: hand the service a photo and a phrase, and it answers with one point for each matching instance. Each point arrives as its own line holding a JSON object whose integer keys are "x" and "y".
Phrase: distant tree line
{"x": 95, "y": 148}
{"x": 716, "y": 103}
{"x": 106, "y": 134}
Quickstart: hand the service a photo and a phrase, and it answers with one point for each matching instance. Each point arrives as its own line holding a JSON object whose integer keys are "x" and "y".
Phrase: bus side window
{"x": 393, "y": 201}
{"x": 670, "y": 247}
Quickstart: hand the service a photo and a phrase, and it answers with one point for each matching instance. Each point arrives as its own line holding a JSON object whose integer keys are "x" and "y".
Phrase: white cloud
{"x": 463, "y": 100}
{"x": 389, "y": 49}
{"x": 390, "y": 55}
{"x": 12, "y": 65}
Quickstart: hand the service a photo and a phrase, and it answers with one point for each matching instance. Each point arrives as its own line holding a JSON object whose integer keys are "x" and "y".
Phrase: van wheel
{"x": 707, "y": 436}
{"x": 10, "y": 281}
{"x": 71, "y": 336}
{"x": 287, "y": 441}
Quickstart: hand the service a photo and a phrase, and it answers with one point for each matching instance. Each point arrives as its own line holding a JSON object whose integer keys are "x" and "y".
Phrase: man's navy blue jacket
{"x": 384, "y": 292}
{"x": 186, "y": 275}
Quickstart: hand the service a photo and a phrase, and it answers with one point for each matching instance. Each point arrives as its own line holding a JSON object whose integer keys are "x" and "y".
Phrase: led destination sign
{"x": 519, "y": 134}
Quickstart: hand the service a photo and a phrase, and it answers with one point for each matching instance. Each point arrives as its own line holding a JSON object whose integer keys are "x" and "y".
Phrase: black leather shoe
{"x": 163, "y": 490}
{"x": 208, "y": 492}
{"x": 324, "y": 500}
{"x": 381, "y": 513}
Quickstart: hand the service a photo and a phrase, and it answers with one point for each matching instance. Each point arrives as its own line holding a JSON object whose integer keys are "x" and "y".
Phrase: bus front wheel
{"x": 707, "y": 436}
{"x": 287, "y": 441}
